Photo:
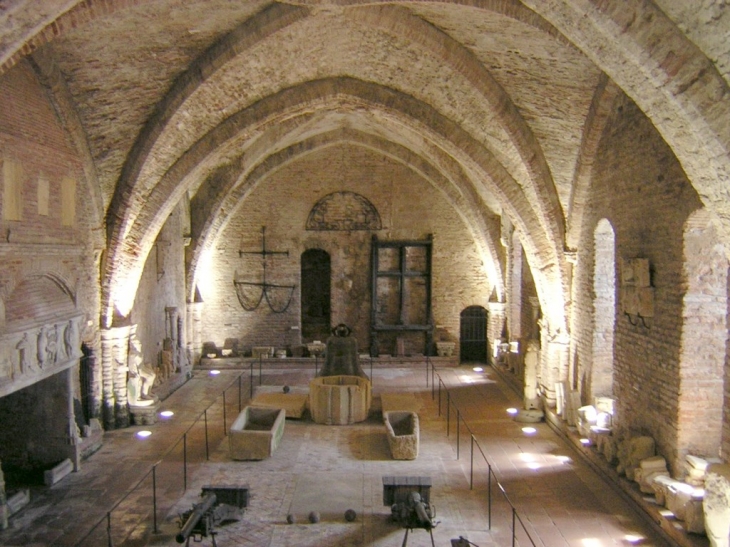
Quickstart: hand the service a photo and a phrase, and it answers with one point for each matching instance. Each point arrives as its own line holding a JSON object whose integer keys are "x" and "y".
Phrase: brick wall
{"x": 639, "y": 187}
{"x": 409, "y": 209}
{"x": 41, "y": 248}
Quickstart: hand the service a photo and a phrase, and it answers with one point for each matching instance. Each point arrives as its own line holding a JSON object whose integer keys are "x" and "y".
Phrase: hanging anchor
{"x": 266, "y": 288}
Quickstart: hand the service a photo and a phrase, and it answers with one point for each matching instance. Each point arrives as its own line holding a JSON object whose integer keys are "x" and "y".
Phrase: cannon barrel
{"x": 199, "y": 511}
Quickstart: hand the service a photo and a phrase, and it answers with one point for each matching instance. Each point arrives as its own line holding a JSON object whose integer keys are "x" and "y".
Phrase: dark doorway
{"x": 473, "y": 339}
{"x": 316, "y": 272}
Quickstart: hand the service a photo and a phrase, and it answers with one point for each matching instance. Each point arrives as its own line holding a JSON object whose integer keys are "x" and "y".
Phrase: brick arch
{"x": 398, "y": 21}
{"x": 674, "y": 83}
{"x": 230, "y": 196}
{"x": 598, "y": 118}
{"x": 35, "y": 297}
{"x": 66, "y": 15}
{"x": 128, "y": 250}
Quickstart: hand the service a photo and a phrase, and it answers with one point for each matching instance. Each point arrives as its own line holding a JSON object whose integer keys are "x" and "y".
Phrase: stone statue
{"x": 25, "y": 349}
{"x": 141, "y": 376}
{"x": 71, "y": 338}
{"x": 42, "y": 345}
{"x": 341, "y": 357}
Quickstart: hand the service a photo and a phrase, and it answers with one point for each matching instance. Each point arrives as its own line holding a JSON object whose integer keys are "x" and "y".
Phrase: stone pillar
{"x": 716, "y": 505}
{"x": 532, "y": 361}
{"x": 555, "y": 360}
{"x": 73, "y": 432}
{"x": 115, "y": 349}
{"x": 495, "y": 326}
{"x": 195, "y": 335}
{"x": 92, "y": 342}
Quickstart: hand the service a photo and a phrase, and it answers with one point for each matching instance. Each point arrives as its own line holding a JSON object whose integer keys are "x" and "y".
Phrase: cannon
{"x": 414, "y": 513}
{"x": 220, "y": 504}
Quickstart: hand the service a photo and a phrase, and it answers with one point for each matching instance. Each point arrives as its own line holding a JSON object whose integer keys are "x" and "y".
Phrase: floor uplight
{"x": 478, "y": 369}
{"x": 166, "y": 413}
{"x": 529, "y": 430}
{"x": 533, "y": 465}
{"x": 144, "y": 434}
{"x": 585, "y": 442}
{"x": 634, "y": 538}
{"x": 512, "y": 411}
{"x": 215, "y": 372}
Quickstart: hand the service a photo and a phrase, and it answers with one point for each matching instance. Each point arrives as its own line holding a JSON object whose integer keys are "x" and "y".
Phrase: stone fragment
{"x": 716, "y": 505}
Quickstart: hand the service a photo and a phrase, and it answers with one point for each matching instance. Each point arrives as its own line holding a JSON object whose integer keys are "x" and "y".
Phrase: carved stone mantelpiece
{"x": 33, "y": 353}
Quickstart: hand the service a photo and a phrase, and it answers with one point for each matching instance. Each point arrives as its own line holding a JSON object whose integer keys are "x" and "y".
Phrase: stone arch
{"x": 231, "y": 196}
{"x": 600, "y": 383}
{"x": 703, "y": 349}
{"x": 38, "y": 298}
{"x": 472, "y": 155}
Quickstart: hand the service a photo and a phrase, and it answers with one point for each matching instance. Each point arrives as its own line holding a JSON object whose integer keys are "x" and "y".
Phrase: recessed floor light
{"x": 512, "y": 411}
{"x": 166, "y": 413}
{"x": 529, "y": 430}
{"x": 478, "y": 369}
{"x": 143, "y": 434}
{"x": 215, "y": 372}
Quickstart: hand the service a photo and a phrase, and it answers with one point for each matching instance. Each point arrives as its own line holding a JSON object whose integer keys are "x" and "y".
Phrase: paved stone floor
{"x": 329, "y": 469}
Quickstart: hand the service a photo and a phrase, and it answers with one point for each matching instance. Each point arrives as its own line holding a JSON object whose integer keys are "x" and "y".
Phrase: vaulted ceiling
{"x": 498, "y": 103}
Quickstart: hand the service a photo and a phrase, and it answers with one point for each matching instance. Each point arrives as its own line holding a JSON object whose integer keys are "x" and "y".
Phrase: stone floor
{"x": 558, "y": 498}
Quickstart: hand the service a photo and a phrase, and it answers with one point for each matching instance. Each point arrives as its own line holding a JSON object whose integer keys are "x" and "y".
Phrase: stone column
{"x": 495, "y": 326}
{"x": 115, "y": 349}
{"x": 195, "y": 335}
{"x": 92, "y": 341}
{"x": 555, "y": 360}
{"x": 73, "y": 432}
{"x": 532, "y": 361}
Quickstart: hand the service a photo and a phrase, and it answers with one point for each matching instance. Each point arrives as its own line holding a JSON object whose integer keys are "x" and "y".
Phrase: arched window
{"x": 604, "y": 311}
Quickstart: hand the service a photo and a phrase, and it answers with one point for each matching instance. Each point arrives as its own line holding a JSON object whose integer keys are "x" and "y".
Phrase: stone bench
{"x": 256, "y": 433}
{"x": 339, "y": 400}
{"x": 402, "y": 429}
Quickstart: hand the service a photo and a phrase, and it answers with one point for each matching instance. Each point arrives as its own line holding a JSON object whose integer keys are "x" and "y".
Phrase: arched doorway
{"x": 473, "y": 335}
{"x": 316, "y": 273}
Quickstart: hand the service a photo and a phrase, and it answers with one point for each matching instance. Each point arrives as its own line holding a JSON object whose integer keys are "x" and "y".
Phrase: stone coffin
{"x": 256, "y": 433}
{"x": 402, "y": 429}
{"x": 339, "y": 400}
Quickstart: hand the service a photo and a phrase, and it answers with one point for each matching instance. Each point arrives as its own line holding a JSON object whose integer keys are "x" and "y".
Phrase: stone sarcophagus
{"x": 339, "y": 400}
{"x": 256, "y": 433}
{"x": 402, "y": 429}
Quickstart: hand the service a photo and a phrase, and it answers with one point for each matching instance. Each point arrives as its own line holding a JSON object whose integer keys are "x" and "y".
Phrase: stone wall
{"x": 162, "y": 286}
{"x": 47, "y": 239}
{"x": 639, "y": 187}
{"x": 409, "y": 209}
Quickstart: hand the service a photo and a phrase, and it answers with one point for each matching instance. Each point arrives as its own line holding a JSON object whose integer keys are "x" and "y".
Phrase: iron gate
{"x": 473, "y": 339}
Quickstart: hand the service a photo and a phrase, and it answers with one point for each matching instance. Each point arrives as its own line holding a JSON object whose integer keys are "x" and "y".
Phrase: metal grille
{"x": 473, "y": 339}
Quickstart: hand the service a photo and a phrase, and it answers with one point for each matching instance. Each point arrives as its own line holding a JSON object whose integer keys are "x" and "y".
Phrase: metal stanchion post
{"x": 489, "y": 495}
{"x": 240, "y": 376}
{"x": 110, "y": 543}
{"x": 155, "y": 530}
{"x": 448, "y": 413}
{"x": 439, "y": 396}
{"x": 458, "y": 429}
{"x": 514, "y": 530}
{"x": 225, "y": 425}
{"x": 471, "y": 465}
{"x": 205, "y": 416}
{"x": 185, "y": 462}
{"x": 251, "y": 378}
{"x": 261, "y": 358}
